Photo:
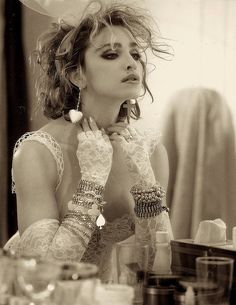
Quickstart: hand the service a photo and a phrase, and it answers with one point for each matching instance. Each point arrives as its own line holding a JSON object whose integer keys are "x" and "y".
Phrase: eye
{"x": 110, "y": 55}
{"x": 136, "y": 56}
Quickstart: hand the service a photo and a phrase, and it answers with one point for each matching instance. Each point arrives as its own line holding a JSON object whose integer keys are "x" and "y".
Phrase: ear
{"x": 78, "y": 78}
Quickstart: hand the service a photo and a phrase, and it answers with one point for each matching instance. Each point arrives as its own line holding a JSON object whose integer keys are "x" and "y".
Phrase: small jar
{"x": 158, "y": 295}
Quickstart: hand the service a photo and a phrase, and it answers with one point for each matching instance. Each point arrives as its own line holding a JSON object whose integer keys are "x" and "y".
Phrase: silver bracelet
{"x": 88, "y": 200}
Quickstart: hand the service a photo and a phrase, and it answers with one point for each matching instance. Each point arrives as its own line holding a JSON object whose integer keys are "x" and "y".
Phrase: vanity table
{"x": 185, "y": 252}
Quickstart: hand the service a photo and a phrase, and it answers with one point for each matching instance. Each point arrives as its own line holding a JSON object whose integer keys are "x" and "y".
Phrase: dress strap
{"x": 46, "y": 139}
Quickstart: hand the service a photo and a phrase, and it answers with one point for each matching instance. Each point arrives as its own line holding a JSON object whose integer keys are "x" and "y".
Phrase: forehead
{"x": 112, "y": 35}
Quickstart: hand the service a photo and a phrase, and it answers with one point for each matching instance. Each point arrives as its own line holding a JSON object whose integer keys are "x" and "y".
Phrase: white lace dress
{"x": 99, "y": 246}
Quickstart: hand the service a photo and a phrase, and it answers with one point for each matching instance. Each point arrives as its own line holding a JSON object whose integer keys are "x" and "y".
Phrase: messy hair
{"x": 61, "y": 50}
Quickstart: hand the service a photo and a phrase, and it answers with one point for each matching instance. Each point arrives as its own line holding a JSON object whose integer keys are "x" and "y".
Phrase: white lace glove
{"x": 94, "y": 153}
{"x": 136, "y": 153}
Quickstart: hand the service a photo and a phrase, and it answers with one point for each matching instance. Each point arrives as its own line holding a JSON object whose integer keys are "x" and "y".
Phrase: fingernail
{"x": 90, "y": 119}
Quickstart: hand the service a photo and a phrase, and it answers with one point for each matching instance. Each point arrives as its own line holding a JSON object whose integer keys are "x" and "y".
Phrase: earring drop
{"x": 129, "y": 105}
{"x": 74, "y": 114}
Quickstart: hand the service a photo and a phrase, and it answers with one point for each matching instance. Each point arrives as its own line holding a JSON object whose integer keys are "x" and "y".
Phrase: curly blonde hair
{"x": 62, "y": 49}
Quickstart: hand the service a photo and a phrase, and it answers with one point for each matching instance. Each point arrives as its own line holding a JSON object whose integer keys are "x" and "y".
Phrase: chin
{"x": 132, "y": 95}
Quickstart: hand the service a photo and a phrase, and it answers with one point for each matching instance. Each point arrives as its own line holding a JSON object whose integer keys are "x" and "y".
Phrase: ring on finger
{"x": 128, "y": 138}
{"x": 125, "y": 133}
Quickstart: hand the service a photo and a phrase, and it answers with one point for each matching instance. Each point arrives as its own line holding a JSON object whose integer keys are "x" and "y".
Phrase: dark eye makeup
{"x": 111, "y": 55}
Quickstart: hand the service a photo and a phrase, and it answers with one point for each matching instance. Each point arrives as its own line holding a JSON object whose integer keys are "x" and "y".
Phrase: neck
{"x": 104, "y": 111}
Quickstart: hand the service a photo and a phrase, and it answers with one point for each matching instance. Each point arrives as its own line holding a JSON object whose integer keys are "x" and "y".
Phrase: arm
{"x": 148, "y": 176}
{"x": 146, "y": 227}
{"x": 41, "y": 232}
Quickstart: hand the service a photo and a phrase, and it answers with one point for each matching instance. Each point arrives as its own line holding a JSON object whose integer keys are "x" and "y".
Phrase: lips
{"x": 131, "y": 77}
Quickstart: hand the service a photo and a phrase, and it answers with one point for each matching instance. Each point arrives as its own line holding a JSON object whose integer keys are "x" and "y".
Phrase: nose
{"x": 131, "y": 64}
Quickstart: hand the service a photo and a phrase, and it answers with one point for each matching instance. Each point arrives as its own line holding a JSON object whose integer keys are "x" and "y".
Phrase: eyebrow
{"x": 116, "y": 45}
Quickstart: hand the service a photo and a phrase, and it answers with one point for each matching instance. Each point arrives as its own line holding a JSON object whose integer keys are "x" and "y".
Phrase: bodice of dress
{"x": 101, "y": 245}
{"x": 51, "y": 144}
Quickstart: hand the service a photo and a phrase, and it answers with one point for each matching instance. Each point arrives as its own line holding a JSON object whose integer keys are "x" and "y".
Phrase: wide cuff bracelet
{"x": 90, "y": 186}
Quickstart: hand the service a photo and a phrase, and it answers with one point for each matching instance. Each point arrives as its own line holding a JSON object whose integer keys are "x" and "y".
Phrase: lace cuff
{"x": 151, "y": 215}
{"x": 145, "y": 231}
{"x": 68, "y": 240}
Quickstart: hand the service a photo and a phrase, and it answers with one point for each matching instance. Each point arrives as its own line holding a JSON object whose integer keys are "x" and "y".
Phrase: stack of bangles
{"x": 86, "y": 205}
{"x": 148, "y": 202}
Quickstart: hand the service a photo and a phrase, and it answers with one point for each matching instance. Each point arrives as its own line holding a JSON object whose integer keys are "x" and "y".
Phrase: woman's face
{"x": 112, "y": 65}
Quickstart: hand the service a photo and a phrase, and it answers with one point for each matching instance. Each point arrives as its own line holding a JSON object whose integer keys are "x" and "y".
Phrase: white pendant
{"x": 100, "y": 222}
{"x": 75, "y": 115}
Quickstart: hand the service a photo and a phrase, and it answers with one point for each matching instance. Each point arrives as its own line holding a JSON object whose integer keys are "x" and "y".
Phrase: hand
{"x": 136, "y": 155}
{"x": 120, "y": 128}
{"x": 94, "y": 152}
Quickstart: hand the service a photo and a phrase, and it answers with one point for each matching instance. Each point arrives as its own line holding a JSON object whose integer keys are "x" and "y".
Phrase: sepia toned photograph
{"x": 117, "y": 152}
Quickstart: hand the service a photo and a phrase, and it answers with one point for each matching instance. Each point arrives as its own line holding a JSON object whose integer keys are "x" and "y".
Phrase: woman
{"x": 69, "y": 177}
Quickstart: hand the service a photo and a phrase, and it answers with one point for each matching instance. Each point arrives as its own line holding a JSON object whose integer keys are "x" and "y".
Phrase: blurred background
{"x": 202, "y": 34}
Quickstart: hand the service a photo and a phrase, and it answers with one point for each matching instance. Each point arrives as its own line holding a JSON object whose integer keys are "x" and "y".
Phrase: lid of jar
{"x": 165, "y": 280}
{"x": 160, "y": 290}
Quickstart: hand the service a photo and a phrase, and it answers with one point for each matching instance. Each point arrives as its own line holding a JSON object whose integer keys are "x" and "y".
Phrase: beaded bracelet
{"x": 152, "y": 194}
{"x": 148, "y": 202}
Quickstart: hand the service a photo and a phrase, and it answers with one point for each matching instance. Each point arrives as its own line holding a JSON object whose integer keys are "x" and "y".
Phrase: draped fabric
{"x": 16, "y": 95}
{"x": 199, "y": 136}
{"x": 202, "y": 34}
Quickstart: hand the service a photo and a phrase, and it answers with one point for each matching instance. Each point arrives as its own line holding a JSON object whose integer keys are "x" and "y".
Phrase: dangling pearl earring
{"x": 74, "y": 114}
{"x": 129, "y": 105}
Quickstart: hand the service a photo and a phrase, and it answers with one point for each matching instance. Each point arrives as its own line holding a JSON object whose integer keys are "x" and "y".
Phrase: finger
{"x": 121, "y": 124}
{"x": 118, "y": 129}
{"x": 85, "y": 125}
{"x": 97, "y": 133}
{"x": 132, "y": 131}
{"x": 103, "y": 131}
{"x": 92, "y": 124}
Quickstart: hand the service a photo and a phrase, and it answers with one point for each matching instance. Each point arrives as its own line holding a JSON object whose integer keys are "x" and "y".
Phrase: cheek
{"x": 96, "y": 71}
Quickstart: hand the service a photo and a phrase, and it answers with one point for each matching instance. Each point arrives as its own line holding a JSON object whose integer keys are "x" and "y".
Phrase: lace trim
{"x": 153, "y": 138}
{"x": 101, "y": 248}
{"x": 102, "y": 244}
{"x": 46, "y": 139}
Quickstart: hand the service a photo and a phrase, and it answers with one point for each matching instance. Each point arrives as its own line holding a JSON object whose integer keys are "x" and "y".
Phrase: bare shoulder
{"x": 32, "y": 163}
{"x": 160, "y": 164}
{"x": 35, "y": 176}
